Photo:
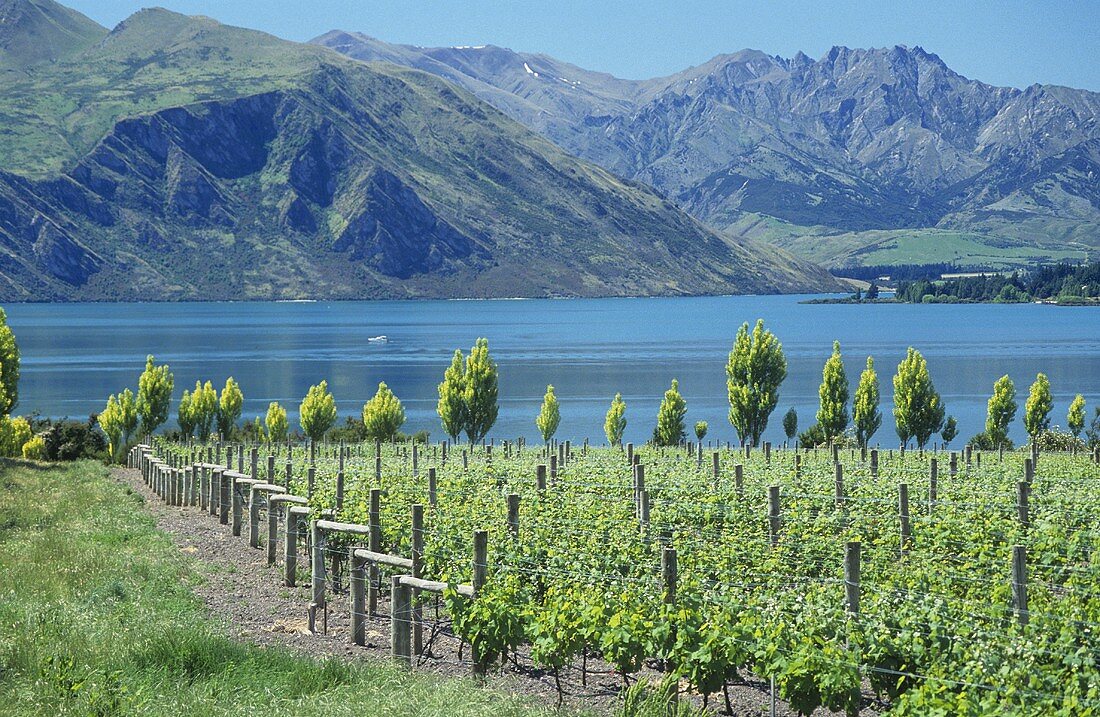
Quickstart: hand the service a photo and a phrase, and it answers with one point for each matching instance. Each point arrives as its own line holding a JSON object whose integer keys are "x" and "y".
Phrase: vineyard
{"x": 913, "y": 583}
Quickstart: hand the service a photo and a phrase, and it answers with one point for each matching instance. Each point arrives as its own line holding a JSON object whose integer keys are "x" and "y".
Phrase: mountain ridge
{"x": 195, "y": 160}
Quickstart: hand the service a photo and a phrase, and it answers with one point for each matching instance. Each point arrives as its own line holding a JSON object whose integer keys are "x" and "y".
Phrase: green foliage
{"x": 1062, "y": 441}
{"x": 14, "y": 433}
{"x": 1075, "y": 418}
{"x": 754, "y": 372}
{"x": 230, "y": 404}
{"x": 918, "y": 409}
{"x": 813, "y": 437}
{"x": 480, "y": 392}
{"x": 670, "y": 428}
{"x": 185, "y": 417}
{"x": 118, "y": 421}
{"x": 790, "y": 423}
{"x": 865, "y": 411}
{"x": 983, "y": 442}
{"x": 1001, "y": 410}
{"x": 317, "y": 414}
{"x": 383, "y": 415}
{"x": 9, "y": 367}
{"x": 277, "y": 426}
{"x": 1038, "y": 407}
{"x": 701, "y": 430}
{"x": 154, "y": 396}
{"x": 34, "y": 449}
{"x": 833, "y": 413}
{"x": 950, "y": 430}
{"x": 1059, "y": 282}
{"x": 614, "y": 423}
{"x": 452, "y": 400}
{"x": 74, "y": 440}
{"x": 204, "y": 409}
{"x": 549, "y": 415}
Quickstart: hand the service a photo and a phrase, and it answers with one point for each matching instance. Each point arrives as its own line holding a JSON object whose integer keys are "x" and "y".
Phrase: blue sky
{"x": 1011, "y": 42}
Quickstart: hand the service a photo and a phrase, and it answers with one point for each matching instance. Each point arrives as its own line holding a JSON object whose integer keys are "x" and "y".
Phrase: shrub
{"x": 1051, "y": 439}
{"x": 983, "y": 442}
{"x": 34, "y": 449}
{"x": 67, "y": 440}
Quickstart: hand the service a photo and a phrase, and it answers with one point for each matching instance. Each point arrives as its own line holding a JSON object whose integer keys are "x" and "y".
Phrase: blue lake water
{"x": 74, "y": 355}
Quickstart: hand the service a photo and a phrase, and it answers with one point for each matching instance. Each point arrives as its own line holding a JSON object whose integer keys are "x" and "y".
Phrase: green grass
{"x": 97, "y": 618}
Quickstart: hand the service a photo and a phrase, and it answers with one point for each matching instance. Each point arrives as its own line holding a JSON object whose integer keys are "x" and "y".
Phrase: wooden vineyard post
{"x": 903, "y": 516}
{"x": 416, "y": 461}
{"x": 433, "y": 498}
{"x": 318, "y": 573}
{"x": 643, "y": 518}
{"x": 480, "y": 573}
{"x": 874, "y": 463}
{"x": 401, "y": 622}
{"x": 739, "y": 480}
{"x": 639, "y": 487}
{"x": 797, "y": 466}
{"x": 668, "y": 574}
{"x": 933, "y": 478}
{"x": 253, "y": 516}
{"x": 1023, "y": 488}
{"x": 294, "y": 517}
{"x": 375, "y": 545}
{"x": 270, "y": 467}
{"x": 273, "y": 529}
{"x": 1029, "y": 470}
{"x": 851, "y": 576}
{"x": 378, "y": 467}
{"x": 238, "y": 508}
{"x": 774, "y": 517}
{"x": 417, "y": 569}
{"x": 838, "y": 481}
{"x": 358, "y": 581}
{"x": 540, "y": 476}
{"x": 630, "y": 454}
{"x": 1019, "y": 584}
{"x": 254, "y": 464}
{"x": 225, "y": 485}
{"x": 513, "y": 515}
{"x": 339, "y": 490}
{"x": 288, "y": 473}
{"x": 953, "y": 466}
{"x": 311, "y": 479}
{"x": 715, "y": 466}
{"x": 553, "y": 468}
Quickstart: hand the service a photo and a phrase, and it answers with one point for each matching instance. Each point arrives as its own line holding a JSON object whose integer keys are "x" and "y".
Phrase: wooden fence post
{"x": 318, "y": 573}
{"x": 669, "y": 574}
{"x": 401, "y": 622}
{"x": 513, "y": 515}
{"x": 851, "y": 576}
{"x": 375, "y": 545}
{"x": 433, "y": 497}
{"x": 933, "y": 479}
{"x": 1019, "y": 584}
{"x": 739, "y": 480}
{"x": 1023, "y": 488}
{"x": 358, "y": 599}
{"x": 417, "y": 568}
{"x": 903, "y": 516}
{"x": 774, "y": 519}
{"x": 294, "y": 517}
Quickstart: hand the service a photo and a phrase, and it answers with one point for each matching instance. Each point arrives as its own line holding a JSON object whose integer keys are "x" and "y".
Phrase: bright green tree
{"x": 754, "y": 372}
{"x": 950, "y": 430}
{"x": 14, "y": 433}
{"x": 9, "y": 367}
{"x": 1075, "y": 419}
{"x": 480, "y": 391}
{"x": 185, "y": 416}
{"x": 614, "y": 423}
{"x": 1000, "y": 410}
{"x": 154, "y": 395}
{"x": 701, "y": 430}
{"x": 317, "y": 414}
{"x": 110, "y": 421}
{"x": 277, "y": 426}
{"x": 204, "y": 408}
{"x": 790, "y": 423}
{"x": 549, "y": 415}
{"x": 383, "y": 415}
{"x": 230, "y": 404}
{"x": 865, "y": 412}
{"x": 918, "y": 409}
{"x": 1038, "y": 406}
{"x": 452, "y": 401}
{"x": 833, "y": 412}
{"x": 670, "y": 417}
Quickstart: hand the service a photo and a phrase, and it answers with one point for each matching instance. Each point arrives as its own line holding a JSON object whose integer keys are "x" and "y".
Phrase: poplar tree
{"x": 1038, "y": 406}
{"x": 277, "y": 426}
{"x": 950, "y": 430}
{"x": 204, "y": 409}
{"x": 110, "y": 421}
{"x": 790, "y": 423}
{"x": 1075, "y": 419}
{"x": 833, "y": 411}
{"x": 185, "y": 416}
{"x": 9, "y": 367}
{"x": 549, "y": 415}
{"x": 383, "y": 415}
{"x": 1000, "y": 410}
{"x": 452, "y": 401}
{"x": 701, "y": 430}
{"x": 614, "y": 423}
{"x": 670, "y": 417}
{"x": 754, "y": 372}
{"x": 317, "y": 414}
{"x": 230, "y": 404}
{"x": 154, "y": 395}
{"x": 480, "y": 391}
{"x": 918, "y": 409}
{"x": 865, "y": 412}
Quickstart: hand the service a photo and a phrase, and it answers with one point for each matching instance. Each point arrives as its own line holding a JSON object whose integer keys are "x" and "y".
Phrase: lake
{"x": 74, "y": 355}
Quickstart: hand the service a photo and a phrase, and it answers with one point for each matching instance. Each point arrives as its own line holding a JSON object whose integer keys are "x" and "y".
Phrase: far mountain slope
{"x": 857, "y": 140}
{"x": 33, "y": 31}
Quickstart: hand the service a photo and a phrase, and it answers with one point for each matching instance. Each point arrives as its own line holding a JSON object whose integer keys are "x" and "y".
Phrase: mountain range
{"x": 174, "y": 157}
{"x": 855, "y": 157}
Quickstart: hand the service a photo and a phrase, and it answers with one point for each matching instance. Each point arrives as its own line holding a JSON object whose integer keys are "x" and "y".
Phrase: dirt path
{"x": 241, "y": 591}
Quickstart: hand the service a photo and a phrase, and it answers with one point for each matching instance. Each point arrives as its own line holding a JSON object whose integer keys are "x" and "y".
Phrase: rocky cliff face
{"x": 855, "y": 140}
